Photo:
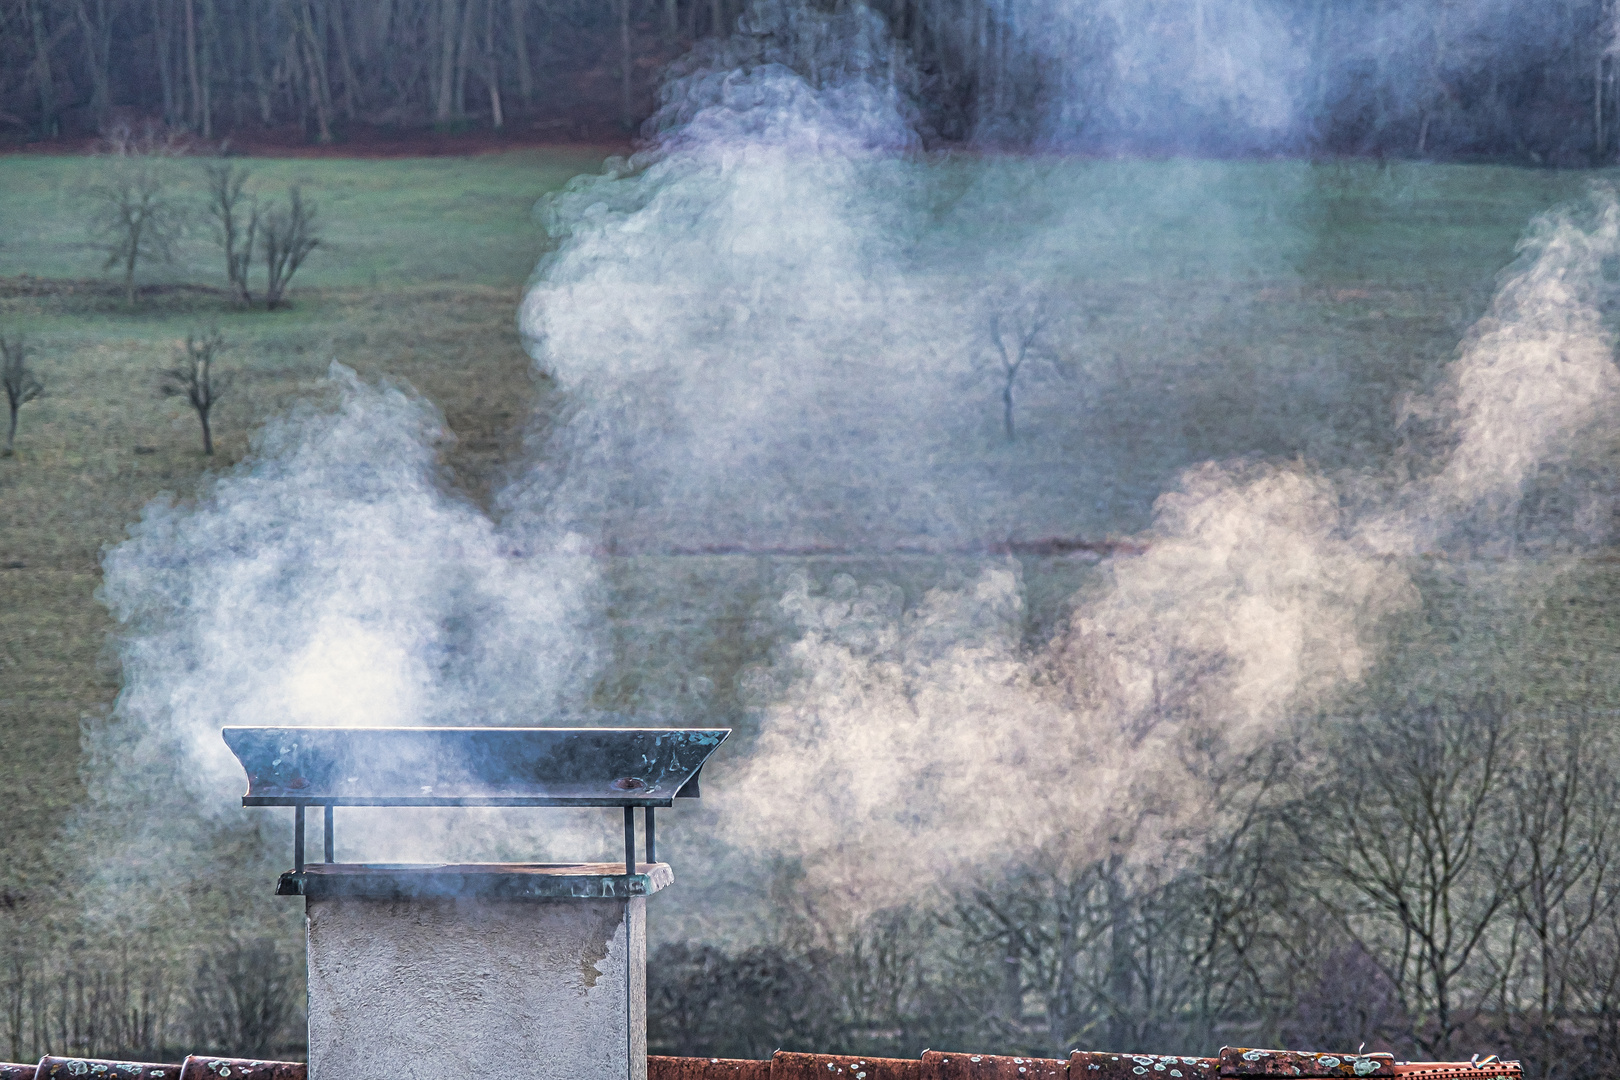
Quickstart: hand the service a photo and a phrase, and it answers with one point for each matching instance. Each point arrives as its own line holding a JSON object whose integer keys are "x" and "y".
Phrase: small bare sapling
{"x": 196, "y": 379}
{"x": 236, "y": 222}
{"x": 22, "y": 383}
{"x": 137, "y": 213}
{"x": 289, "y": 237}
{"x": 1016, "y": 328}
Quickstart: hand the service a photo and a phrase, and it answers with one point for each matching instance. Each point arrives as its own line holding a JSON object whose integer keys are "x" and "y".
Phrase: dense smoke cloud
{"x": 746, "y": 361}
{"x": 332, "y": 578}
{"x": 932, "y": 739}
{"x": 931, "y": 743}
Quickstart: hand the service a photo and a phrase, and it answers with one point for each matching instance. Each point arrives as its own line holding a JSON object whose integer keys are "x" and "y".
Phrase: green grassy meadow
{"x": 1355, "y": 277}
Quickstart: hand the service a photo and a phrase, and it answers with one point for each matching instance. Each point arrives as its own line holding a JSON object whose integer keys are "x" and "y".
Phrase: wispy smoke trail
{"x": 1534, "y": 376}
{"x": 761, "y": 346}
{"x": 1164, "y": 74}
{"x": 930, "y": 742}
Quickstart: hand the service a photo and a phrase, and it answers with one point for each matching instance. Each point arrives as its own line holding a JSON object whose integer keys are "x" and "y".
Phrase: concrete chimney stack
{"x": 426, "y": 970}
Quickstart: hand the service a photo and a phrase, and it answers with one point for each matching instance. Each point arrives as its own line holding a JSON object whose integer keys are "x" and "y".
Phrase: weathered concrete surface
{"x": 424, "y": 988}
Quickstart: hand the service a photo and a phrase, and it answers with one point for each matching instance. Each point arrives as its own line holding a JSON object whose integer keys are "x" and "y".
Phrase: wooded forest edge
{"x": 1532, "y": 84}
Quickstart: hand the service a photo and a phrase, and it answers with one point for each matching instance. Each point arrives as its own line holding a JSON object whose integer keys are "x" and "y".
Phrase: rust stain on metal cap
{"x": 679, "y": 1068}
{"x": 788, "y": 1066}
{"x": 1103, "y": 1065}
{"x": 66, "y": 1068}
{"x": 1247, "y": 1061}
{"x": 200, "y": 1067}
{"x": 944, "y": 1065}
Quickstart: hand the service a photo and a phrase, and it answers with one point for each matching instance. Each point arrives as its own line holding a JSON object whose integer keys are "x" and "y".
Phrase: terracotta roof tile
{"x": 1243, "y": 1061}
{"x": 695, "y": 1068}
{"x": 199, "y": 1067}
{"x": 68, "y": 1068}
{"x": 786, "y": 1066}
{"x": 1100, "y": 1065}
{"x": 937, "y": 1065}
{"x": 1459, "y": 1070}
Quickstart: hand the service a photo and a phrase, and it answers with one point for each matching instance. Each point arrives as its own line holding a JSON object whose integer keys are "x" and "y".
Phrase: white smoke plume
{"x": 1532, "y": 379}
{"x": 332, "y": 578}
{"x": 1185, "y": 75}
{"x": 930, "y": 743}
{"x": 900, "y": 747}
{"x": 747, "y": 363}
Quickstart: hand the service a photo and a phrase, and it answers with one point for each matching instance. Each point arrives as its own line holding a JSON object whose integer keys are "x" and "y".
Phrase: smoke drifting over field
{"x": 929, "y": 742}
{"x": 748, "y": 360}
{"x": 765, "y": 344}
{"x": 930, "y": 739}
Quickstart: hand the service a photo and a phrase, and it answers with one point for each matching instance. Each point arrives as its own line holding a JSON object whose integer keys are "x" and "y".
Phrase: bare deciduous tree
{"x": 137, "y": 210}
{"x": 236, "y": 226}
{"x": 1564, "y": 811}
{"x": 195, "y": 379}
{"x": 1049, "y": 923}
{"x": 21, "y": 382}
{"x": 242, "y": 997}
{"x": 1015, "y": 332}
{"x": 289, "y": 237}
{"x": 1418, "y": 849}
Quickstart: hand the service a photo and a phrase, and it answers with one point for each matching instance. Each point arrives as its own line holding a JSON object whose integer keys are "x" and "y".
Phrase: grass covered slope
{"x": 1239, "y": 308}
{"x": 383, "y": 222}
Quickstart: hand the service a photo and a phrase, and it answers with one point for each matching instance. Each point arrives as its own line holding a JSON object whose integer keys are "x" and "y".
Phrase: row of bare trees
{"x": 240, "y": 996}
{"x": 217, "y": 65}
{"x": 1408, "y": 77}
{"x": 140, "y": 209}
{"x": 195, "y": 377}
{"x": 1438, "y": 880}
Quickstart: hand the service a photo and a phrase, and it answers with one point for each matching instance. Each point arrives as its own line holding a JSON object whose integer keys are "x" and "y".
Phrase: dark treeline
{"x": 1441, "y": 882}
{"x": 1437, "y": 880}
{"x": 1506, "y": 79}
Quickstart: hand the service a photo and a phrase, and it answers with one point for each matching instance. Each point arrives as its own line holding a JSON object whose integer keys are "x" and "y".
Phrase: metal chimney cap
{"x": 471, "y": 766}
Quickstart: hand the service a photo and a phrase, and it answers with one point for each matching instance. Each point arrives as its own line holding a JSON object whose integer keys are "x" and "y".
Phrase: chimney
{"x": 535, "y": 969}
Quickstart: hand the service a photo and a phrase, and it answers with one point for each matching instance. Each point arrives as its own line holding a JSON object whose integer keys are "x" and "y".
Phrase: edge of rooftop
{"x": 1231, "y": 1062}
